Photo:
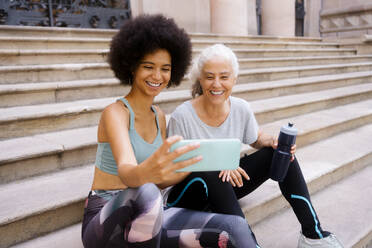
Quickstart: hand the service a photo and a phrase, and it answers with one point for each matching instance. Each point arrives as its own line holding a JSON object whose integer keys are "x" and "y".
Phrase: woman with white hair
{"x": 214, "y": 113}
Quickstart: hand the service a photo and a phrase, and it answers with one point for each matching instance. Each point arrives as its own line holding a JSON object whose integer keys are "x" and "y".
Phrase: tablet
{"x": 218, "y": 154}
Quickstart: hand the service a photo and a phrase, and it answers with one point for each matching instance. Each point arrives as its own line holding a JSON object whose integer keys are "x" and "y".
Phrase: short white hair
{"x": 215, "y": 51}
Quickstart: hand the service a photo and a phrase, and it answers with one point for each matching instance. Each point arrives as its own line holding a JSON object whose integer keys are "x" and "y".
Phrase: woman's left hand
{"x": 234, "y": 176}
{"x": 274, "y": 145}
{"x": 293, "y": 151}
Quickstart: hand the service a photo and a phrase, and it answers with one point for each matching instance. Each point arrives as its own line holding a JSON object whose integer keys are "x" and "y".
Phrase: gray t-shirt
{"x": 240, "y": 123}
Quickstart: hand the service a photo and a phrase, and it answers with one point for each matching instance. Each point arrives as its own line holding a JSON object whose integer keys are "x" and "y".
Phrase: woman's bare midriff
{"x": 105, "y": 181}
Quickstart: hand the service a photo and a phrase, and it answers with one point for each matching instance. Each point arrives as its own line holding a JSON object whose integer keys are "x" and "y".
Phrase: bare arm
{"x": 115, "y": 122}
{"x": 158, "y": 168}
{"x": 264, "y": 140}
{"x": 178, "y": 177}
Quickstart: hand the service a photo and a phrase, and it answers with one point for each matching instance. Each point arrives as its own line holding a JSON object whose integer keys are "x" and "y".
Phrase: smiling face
{"x": 217, "y": 80}
{"x": 153, "y": 72}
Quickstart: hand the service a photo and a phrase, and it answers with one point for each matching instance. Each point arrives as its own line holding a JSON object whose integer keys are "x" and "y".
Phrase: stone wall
{"x": 343, "y": 19}
{"x": 192, "y": 15}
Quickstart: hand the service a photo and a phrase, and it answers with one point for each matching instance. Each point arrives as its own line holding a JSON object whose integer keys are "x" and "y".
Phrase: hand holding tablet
{"x": 218, "y": 154}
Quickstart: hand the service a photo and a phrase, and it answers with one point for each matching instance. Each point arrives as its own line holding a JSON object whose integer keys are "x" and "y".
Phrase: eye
{"x": 165, "y": 69}
{"x": 147, "y": 67}
{"x": 225, "y": 77}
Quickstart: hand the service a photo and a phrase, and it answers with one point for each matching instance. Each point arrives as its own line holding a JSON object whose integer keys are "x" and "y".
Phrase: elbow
{"x": 130, "y": 176}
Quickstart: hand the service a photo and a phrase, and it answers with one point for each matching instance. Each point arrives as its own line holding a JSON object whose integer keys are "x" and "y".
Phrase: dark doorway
{"x": 300, "y": 15}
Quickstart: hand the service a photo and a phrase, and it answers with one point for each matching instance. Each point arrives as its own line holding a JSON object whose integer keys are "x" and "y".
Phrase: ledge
{"x": 346, "y": 10}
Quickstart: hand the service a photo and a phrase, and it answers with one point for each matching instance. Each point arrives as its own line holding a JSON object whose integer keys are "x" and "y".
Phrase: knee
{"x": 239, "y": 230}
{"x": 237, "y": 223}
{"x": 148, "y": 192}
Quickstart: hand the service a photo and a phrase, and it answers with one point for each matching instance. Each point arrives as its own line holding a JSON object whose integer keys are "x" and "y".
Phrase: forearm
{"x": 132, "y": 175}
{"x": 176, "y": 179}
{"x": 263, "y": 140}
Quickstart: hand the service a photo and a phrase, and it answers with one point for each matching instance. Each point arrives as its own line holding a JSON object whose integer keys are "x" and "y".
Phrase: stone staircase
{"x": 54, "y": 83}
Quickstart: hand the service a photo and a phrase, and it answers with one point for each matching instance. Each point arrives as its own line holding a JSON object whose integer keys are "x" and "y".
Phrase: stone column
{"x": 252, "y": 17}
{"x": 229, "y": 17}
{"x": 136, "y": 7}
{"x": 278, "y": 17}
{"x": 192, "y": 15}
{"x": 312, "y": 18}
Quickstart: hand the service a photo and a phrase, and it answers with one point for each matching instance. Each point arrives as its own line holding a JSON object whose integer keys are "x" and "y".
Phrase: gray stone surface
{"x": 324, "y": 89}
{"x": 344, "y": 209}
{"x": 323, "y": 163}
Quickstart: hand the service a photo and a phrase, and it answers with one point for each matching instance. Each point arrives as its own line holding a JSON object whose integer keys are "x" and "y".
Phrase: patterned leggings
{"x": 135, "y": 217}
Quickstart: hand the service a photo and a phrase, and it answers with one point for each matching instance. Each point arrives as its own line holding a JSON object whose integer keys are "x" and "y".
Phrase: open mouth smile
{"x": 217, "y": 93}
{"x": 153, "y": 84}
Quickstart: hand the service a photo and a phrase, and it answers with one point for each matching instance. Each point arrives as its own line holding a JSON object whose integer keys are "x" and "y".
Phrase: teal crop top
{"x": 105, "y": 160}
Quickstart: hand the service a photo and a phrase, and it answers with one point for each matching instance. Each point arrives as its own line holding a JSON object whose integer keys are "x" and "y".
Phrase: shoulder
{"x": 116, "y": 111}
{"x": 182, "y": 110}
{"x": 240, "y": 104}
{"x": 114, "y": 117}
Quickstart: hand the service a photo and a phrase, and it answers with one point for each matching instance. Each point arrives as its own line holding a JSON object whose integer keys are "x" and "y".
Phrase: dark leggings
{"x": 208, "y": 191}
{"x": 135, "y": 217}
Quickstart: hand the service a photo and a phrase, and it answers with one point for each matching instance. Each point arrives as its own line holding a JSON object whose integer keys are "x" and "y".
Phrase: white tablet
{"x": 218, "y": 154}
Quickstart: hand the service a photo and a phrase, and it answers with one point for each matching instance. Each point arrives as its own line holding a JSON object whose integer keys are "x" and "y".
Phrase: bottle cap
{"x": 289, "y": 129}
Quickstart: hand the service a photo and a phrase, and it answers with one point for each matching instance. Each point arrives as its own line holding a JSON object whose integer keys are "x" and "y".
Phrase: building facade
{"x": 314, "y": 18}
{"x": 331, "y": 19}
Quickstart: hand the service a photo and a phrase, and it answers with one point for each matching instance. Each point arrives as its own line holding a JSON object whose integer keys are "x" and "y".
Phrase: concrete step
{"x": 84, "y": 71}
{"x": 222, "y": 38}
{"x": 43, "y": 204}
{"x": 267, "y": 53}
{"x": 329, "y": 167}
{"x": 250, "y": 63}
{"x": 54, "y": 72}
{"x": 41, "y": 93}
{"x": 268, "y": 89}
{"x": 24, "y": 31}
{"x": 11, "y": 42}
{"x": 265, "y": 44}
{"x": 28, "y": 31}
{"x": 30, "y": 120}
{"x": 273, "y": 109}
{"x": 51, "y": 56}
{"x": 343, "y": 209}
{"x": 353, "y": 232}
{"x": 276, "y": 73}
{"x": 63, "y": 56}
{"x": 66, "y": 237}
{"x": 43, "y": 153}
{"x": 53, "y": 92}
{"x": 323, "y": 163}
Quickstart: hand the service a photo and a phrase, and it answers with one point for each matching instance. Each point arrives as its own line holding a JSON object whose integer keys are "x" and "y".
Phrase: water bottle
{"x": 282, "y": 155}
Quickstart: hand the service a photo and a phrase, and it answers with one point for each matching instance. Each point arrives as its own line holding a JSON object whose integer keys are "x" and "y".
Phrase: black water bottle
{"x": 282, "y": 155}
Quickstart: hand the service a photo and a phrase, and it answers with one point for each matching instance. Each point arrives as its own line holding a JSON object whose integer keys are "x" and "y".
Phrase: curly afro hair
{"x": 143, "y": 35}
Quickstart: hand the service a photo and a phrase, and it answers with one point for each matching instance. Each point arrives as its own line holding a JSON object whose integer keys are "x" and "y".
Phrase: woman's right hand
{"x": 160, "y": 168}
{"x": 234, "y": 177}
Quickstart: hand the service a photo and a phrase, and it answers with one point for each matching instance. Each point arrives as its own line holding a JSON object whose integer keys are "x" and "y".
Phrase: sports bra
{"x": 142, "y": 150}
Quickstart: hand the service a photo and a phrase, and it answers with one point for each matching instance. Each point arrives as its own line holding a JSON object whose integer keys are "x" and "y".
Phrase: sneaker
{"x": 328, "y": 242}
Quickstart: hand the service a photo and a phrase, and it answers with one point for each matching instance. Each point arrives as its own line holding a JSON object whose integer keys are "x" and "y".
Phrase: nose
{"x": 157, "y": 74}
{"x": 216, "y": 82}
